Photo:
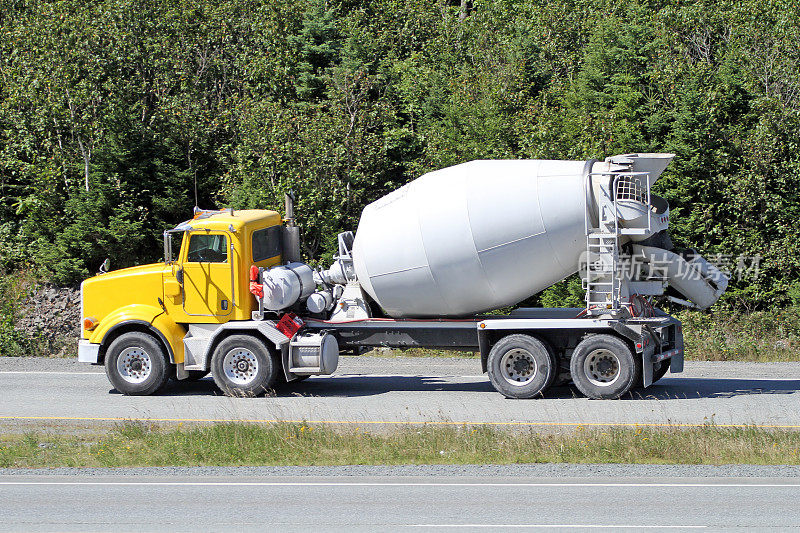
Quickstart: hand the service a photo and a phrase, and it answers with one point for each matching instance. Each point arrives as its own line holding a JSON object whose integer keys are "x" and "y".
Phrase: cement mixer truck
{"x": 428, "y": 266}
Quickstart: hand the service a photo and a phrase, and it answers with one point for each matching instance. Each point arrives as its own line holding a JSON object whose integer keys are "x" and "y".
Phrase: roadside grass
{"x": 760, "y": 336}
{"x": 137, "y": 444}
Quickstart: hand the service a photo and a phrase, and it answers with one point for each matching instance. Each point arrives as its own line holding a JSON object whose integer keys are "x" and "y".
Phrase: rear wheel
{"x": 136, "y": 364}
{"x": 195, "y": 375}
{"x": 243, "y": 366}
{"x": 662, "y": 370}
{"x": 281, "y": 385}
{"x": 521, "y": 366}
{"x": 604, "y": 367}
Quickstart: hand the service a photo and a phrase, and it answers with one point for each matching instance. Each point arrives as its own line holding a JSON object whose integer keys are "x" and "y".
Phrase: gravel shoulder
{"x": 552, "y": 470}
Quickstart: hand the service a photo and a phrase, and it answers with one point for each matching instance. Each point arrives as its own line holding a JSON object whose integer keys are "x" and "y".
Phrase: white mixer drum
{"x": 473, "y": 237}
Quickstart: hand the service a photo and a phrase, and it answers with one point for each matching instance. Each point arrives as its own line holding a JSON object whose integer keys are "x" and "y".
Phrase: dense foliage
{"x": 111, "y": 111}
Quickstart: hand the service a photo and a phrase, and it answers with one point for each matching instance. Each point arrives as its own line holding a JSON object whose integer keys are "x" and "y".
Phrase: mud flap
{"x": 290, "y": 376}
{"x": 647, "y": 366}
{"x": 676, "y": 362}
{"x": 484, "y": 346}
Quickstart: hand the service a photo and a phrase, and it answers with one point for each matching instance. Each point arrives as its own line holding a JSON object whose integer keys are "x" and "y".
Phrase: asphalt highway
{"x": 39, "y": 393}
{"x": 80, "y": 502}
{"x": 375, "y": 390}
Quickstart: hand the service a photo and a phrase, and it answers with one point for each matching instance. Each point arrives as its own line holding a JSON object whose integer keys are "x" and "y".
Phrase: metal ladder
{"x": 602, "y": 282}
{"x": 603, "y": 277}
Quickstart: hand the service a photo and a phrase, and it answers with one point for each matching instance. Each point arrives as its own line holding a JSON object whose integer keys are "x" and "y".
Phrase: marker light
{"x": 89, "y": 323}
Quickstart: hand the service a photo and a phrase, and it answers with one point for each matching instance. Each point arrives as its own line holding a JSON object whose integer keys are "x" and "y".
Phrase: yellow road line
{"x": 396, "y": 422}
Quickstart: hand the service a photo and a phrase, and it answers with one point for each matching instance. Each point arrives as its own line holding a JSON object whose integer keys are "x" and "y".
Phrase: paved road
{"x": 391, "y": 390}
{"x": 429, "y": 503}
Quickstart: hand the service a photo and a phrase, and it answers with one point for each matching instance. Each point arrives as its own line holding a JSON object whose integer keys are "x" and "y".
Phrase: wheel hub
{"x": 522, "y": 366}
{"x": 605, "y": 367}
{"x": 240, "y": 366}
{"x": 518, "y": 367}
{"x": 602, "y": 367}
{"x": 134, "y": 364}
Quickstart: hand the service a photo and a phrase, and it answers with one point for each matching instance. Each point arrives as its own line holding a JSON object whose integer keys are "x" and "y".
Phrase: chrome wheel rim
{"x": 240, "y": 366}
{"x": 518, "y": 367}
{"x": 602, "y": 367}
{"x": 134, "y": 364}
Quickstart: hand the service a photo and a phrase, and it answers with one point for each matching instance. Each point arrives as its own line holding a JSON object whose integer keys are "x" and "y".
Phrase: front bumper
{"x": 88, "y": 352}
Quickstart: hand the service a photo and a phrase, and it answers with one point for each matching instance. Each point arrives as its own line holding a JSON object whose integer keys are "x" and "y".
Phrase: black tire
{"x": 281, "y": 385}
{"x": 243, "y": 366}
{"x": 521, "y": 366}
{"x": 136, "y": 364}
{"x": 603, "y": 367}
{"x": 556, "y": 366}
{"x": 657, "y": 374}
{"x": 662, "y": 371}
{"x": 194, "y": 375}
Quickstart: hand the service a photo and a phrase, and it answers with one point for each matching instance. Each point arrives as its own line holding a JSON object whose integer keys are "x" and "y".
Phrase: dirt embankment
{"x": 51, "y": 318}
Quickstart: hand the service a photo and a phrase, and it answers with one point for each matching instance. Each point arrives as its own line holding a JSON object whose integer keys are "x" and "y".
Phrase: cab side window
{"x": 266, "y": 243}
{"x": 207, "y": 249}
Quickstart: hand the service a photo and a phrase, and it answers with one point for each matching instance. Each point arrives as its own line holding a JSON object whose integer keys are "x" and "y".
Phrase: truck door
{"x": 208, "y": 275}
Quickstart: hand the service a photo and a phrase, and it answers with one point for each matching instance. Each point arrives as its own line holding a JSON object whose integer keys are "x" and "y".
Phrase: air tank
{"x": 473, "y": 237}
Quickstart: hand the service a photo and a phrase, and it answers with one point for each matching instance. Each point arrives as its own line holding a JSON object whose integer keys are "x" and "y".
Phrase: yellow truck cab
{"x": 149, "y": 322}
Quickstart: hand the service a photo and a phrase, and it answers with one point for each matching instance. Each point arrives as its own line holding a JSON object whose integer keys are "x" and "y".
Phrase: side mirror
{"x": 105, "y": 266}
{"x": 179, "y": 276}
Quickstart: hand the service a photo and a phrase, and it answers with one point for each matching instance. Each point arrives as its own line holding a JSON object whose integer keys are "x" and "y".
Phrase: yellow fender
{"x": 154, "y": 318}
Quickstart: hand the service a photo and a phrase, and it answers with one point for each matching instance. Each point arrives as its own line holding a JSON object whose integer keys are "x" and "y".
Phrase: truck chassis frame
{"x": 655, "y": 339}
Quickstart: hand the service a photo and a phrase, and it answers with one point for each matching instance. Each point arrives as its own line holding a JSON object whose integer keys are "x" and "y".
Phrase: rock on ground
{"x": 51, "y": 315}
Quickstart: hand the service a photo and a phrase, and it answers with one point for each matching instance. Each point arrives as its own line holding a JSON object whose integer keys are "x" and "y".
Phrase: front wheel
{"x": 136, "y": 364}
{"x": 521, "y": 366}
{"x": 243, "y": 366}
{"x": 604, "y": 367}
